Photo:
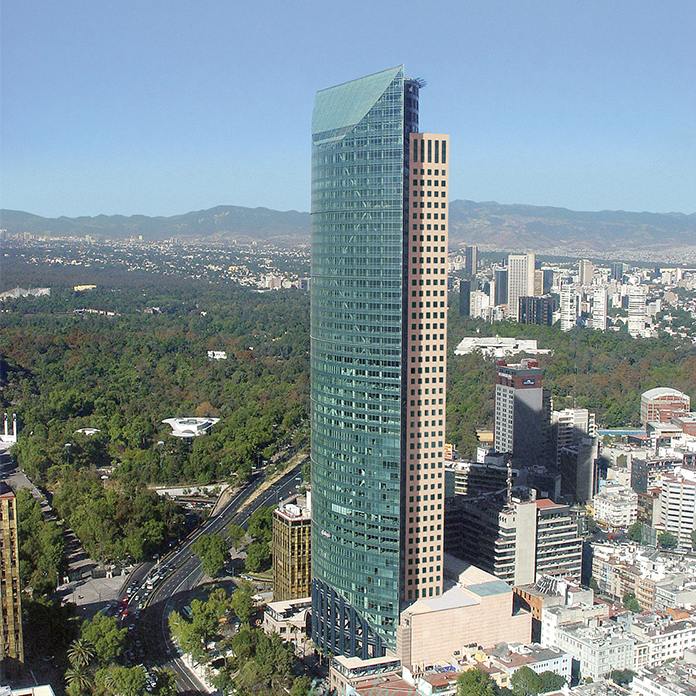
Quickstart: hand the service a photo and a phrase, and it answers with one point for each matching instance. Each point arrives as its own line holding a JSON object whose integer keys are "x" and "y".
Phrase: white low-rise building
{"x": 510, "y": 658}
{"x": 668, "y": 636}
{"x": 616, "y": 506}
{"x": 602, "y": 649}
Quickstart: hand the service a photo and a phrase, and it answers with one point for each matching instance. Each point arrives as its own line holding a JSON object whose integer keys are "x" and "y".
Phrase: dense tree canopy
{"x": 476, "y": 682}
{"x": 125, "y": 374}
{"x": 213, "y": 552}
{"x": 41, "y": 546}
{"x": 112, "y": 524}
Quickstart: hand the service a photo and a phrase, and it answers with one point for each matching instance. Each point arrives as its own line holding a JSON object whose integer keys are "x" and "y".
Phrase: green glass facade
{"x": 357, "y": 319}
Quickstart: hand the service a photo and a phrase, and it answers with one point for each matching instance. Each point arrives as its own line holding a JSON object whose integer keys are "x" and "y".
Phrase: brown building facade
{"x": 11, "y": 640}
{"x": 292, "y": 540}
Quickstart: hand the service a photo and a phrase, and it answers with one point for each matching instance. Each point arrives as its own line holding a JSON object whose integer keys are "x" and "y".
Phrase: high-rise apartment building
{"x": 11, "y": 640}
{"x": 292, "y": 551}
{"x": 599, "y": 308}
{"x": 570, "y": 307}
{"x": 637, "y": 310}
{"x": 520, "y": 281}
{"x": 676, "y": 510}
{"x": 570, "y": 426}
{"x": 378, "y": 336}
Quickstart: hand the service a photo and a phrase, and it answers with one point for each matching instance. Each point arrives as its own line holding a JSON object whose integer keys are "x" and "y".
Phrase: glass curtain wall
{"x": 356, "y": 362}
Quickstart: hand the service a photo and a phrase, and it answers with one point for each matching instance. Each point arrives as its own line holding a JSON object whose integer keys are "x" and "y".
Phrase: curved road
{"x": 180, "y": 571}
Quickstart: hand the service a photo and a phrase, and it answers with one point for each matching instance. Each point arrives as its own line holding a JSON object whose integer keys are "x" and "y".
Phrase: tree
{"x": 80, "y": 653}
{"x": 122, "y": 681}
{"x": 107, "y": 639}
{"x": 243, "y": 602}
{"x": 165, "y": 682}
{"x": 667, "y": 540}
{"x": 635, "y": 532}
{"x": 631, "y": 603}
{"x": 79, "y": 681}
{"x": 551, "y": 681}
{"x": 213, "y": 552}
{"x": 193, "y": 636}
{"x": 622, "y": 677}
{"x": 693, "y": 539}
{"x": 236, "y": 535}
{"x": 301, "y": 686}
{"x": 41, "y": 546}
{"x": 526, "y": 682}
{"x": 475, "y": 682}
{"x": 258, "y": 557}
{"x": 261, "y": 524}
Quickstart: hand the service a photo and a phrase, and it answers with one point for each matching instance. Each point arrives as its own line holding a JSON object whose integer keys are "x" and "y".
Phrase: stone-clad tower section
{"x": 425, "y": 375}
{"x": 369, "y": 366}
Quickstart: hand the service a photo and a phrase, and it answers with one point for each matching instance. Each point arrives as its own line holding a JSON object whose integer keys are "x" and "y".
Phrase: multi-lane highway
{"x": 151, "y": 597}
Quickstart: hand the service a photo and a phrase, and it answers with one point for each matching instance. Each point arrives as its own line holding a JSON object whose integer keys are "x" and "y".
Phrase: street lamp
{"x": 68, "y": 445}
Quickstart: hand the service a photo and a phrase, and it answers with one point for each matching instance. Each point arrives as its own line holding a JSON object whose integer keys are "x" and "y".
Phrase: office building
{"x": 11, "y": 640}
{"x": 585, "y": 272}
{"x": 661, "y": 404}
{"x": 618, "y": 269}
{"x": 470, "y": 260}
{"x": 378, "y": 335}
{"x": 479, "y": 304}
{"x": 465, "y": 298}
{"x": 474, "y": 478}
{"x": 570, "y": 426}
{"x": 522, "y": 413}
{"x": 514, "y": 539}
{"x": 577, "y": 463}
{"x": 477, "y": 608}
{"x": 520, "y": 281}
{"x": 536, "y": 310}
{"x": 500, "y": 284}
{"x": 292, "y": 551}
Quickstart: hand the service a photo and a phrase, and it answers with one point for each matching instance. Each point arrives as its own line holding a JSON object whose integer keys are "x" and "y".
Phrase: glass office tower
{"x": 362, "y": 145}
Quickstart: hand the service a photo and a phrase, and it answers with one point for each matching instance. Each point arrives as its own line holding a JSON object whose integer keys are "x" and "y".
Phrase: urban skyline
{"x": 159, "y": 109}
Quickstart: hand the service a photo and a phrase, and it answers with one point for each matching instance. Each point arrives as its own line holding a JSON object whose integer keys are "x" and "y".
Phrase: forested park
{"x": 124, "y": 373}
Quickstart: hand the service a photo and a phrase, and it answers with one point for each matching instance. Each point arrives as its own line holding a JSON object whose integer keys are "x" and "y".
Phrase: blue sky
{"x": 163, "y": 107}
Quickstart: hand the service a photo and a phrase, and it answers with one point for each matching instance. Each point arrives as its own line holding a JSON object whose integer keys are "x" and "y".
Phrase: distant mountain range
{"x": 491, "y": 226}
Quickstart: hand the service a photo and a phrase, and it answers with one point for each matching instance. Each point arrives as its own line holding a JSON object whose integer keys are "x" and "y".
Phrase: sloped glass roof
{"x": 340, "y": 108}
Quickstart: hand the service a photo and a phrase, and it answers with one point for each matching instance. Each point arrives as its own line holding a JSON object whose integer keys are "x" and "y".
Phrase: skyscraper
{"x": 465, "y": 298}
{"x": 470, "y": 260}
{"x": 520, "y": 281}
{"x": 378, "y": 327}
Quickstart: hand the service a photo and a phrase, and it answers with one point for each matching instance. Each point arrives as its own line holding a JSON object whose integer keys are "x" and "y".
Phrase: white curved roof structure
{"x": 190, "y": 427}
